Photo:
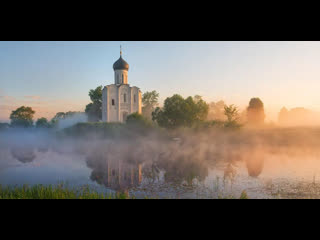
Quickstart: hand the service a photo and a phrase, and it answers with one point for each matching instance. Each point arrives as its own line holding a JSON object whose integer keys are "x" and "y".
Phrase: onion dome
{"x": 121, "y": 64}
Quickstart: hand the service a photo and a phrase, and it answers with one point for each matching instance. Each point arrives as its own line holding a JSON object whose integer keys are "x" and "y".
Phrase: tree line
{"x": 176, "y": 112}
{"x": 23, "y": 117}
{"x": 184, "y": 112}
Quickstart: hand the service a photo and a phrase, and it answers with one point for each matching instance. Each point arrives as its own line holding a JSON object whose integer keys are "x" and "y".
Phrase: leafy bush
{"x": 96, "y": 129}
{"x": 43, "y": 123}
{"x": 209, "y": 124}
{"x": 232, "y": 125}
{"x": 135, "y": 127}
{"x": 138, "y": 120}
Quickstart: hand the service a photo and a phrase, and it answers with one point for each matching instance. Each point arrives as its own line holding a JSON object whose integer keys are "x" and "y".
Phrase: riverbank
{"x": 59, "y": 191}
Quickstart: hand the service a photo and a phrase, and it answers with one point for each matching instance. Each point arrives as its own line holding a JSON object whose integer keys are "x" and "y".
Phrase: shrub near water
{"x": 96, "y": 129}
{"x": 130, "y": 130}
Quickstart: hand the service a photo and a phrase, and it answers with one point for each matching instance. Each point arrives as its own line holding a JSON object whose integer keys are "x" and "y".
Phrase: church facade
{"x": 119, "y": 99}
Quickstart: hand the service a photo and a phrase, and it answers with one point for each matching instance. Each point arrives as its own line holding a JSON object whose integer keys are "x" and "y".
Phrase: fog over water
{"x": 186, "y": 163}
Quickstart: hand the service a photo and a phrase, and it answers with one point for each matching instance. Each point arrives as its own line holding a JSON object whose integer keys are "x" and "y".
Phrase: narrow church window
{"x": 122, "y": 79}
{"x": 125, "y": 97}
{"x": 112, "y": 102}
{"x": 134, "y": 98}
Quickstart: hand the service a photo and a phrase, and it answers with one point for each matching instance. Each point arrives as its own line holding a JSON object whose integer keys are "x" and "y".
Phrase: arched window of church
{"x": 112, "y": 102}
{"x": 122, "y": 79}
{"x": 125, "y": 97}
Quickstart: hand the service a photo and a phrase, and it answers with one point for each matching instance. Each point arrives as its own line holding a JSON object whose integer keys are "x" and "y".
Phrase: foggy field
{"x": 211, "y": 163}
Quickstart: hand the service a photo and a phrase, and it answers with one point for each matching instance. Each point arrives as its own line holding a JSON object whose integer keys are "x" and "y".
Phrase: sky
{"x": 56, "y": 77}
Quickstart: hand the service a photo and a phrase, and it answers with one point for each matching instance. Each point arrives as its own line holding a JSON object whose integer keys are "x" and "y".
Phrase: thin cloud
{"x": 8, "y": 99}
{"x": 33, "y": 97}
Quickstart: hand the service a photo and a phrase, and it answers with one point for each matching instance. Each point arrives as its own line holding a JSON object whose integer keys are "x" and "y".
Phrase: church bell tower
{"x": 120, "y": 99}
{"x": 121, "y": 68}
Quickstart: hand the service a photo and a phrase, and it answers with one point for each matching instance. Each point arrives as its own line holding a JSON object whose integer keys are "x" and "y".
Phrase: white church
{"x": 119, "y": 99}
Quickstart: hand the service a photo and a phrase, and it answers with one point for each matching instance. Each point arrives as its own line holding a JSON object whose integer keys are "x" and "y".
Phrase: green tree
{"x": 180, "y": 112}
{"x": 58, "y": 116}
{"x": 197, "y": 98}
{"x": 22, "y": 117}
{"x": 255, "y": 112}
{"x": 55, "y": 120}
{"x": 232, "y": 114}
{"x": 42, "y": 123}
{"x": 201, "y": 109}
{"x": 150, "y": 102}
{"x": 94, "y": 109}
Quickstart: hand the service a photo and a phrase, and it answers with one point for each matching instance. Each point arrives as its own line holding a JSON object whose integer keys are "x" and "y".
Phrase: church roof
{"x": 121, "y": 64}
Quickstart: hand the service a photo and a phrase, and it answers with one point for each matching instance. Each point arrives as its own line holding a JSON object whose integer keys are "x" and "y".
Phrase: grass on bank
{"x": 55, "y": 192}
{"x": 61, "y": 191}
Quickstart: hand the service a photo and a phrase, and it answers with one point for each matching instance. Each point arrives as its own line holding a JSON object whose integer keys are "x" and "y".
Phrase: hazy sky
{"x": 56, "y": 76}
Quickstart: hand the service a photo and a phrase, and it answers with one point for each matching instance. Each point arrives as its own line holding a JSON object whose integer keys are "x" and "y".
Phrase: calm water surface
{"x": 141, "y": 180}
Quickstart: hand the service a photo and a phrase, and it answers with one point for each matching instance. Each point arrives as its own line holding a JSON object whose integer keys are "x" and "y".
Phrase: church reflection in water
{"x": 125, "y": 174}
{"x": 116, "y": 175}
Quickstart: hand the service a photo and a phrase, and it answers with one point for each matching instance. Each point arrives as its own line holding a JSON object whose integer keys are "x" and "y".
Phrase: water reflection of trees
{"x": 122, "y": 168}
{"x": 117, "y": 174}
{"x": 179, "y": 168}
{"x": 23, "y": 154}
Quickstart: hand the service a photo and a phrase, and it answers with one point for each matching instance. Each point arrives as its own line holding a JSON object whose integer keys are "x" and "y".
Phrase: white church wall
{"x": 140, "y": 102}
{"x": 104, "y": 104}
{"x": 136, "y": 100}
{"x": 113, "y": 103}
{"x": 125, "y": 101}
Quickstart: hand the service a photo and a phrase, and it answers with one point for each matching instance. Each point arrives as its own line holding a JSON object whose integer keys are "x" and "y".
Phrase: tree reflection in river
{"x": 119, "y": 175}
{"x": 122, "y": 167}
{"x": 24, "y": 154}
